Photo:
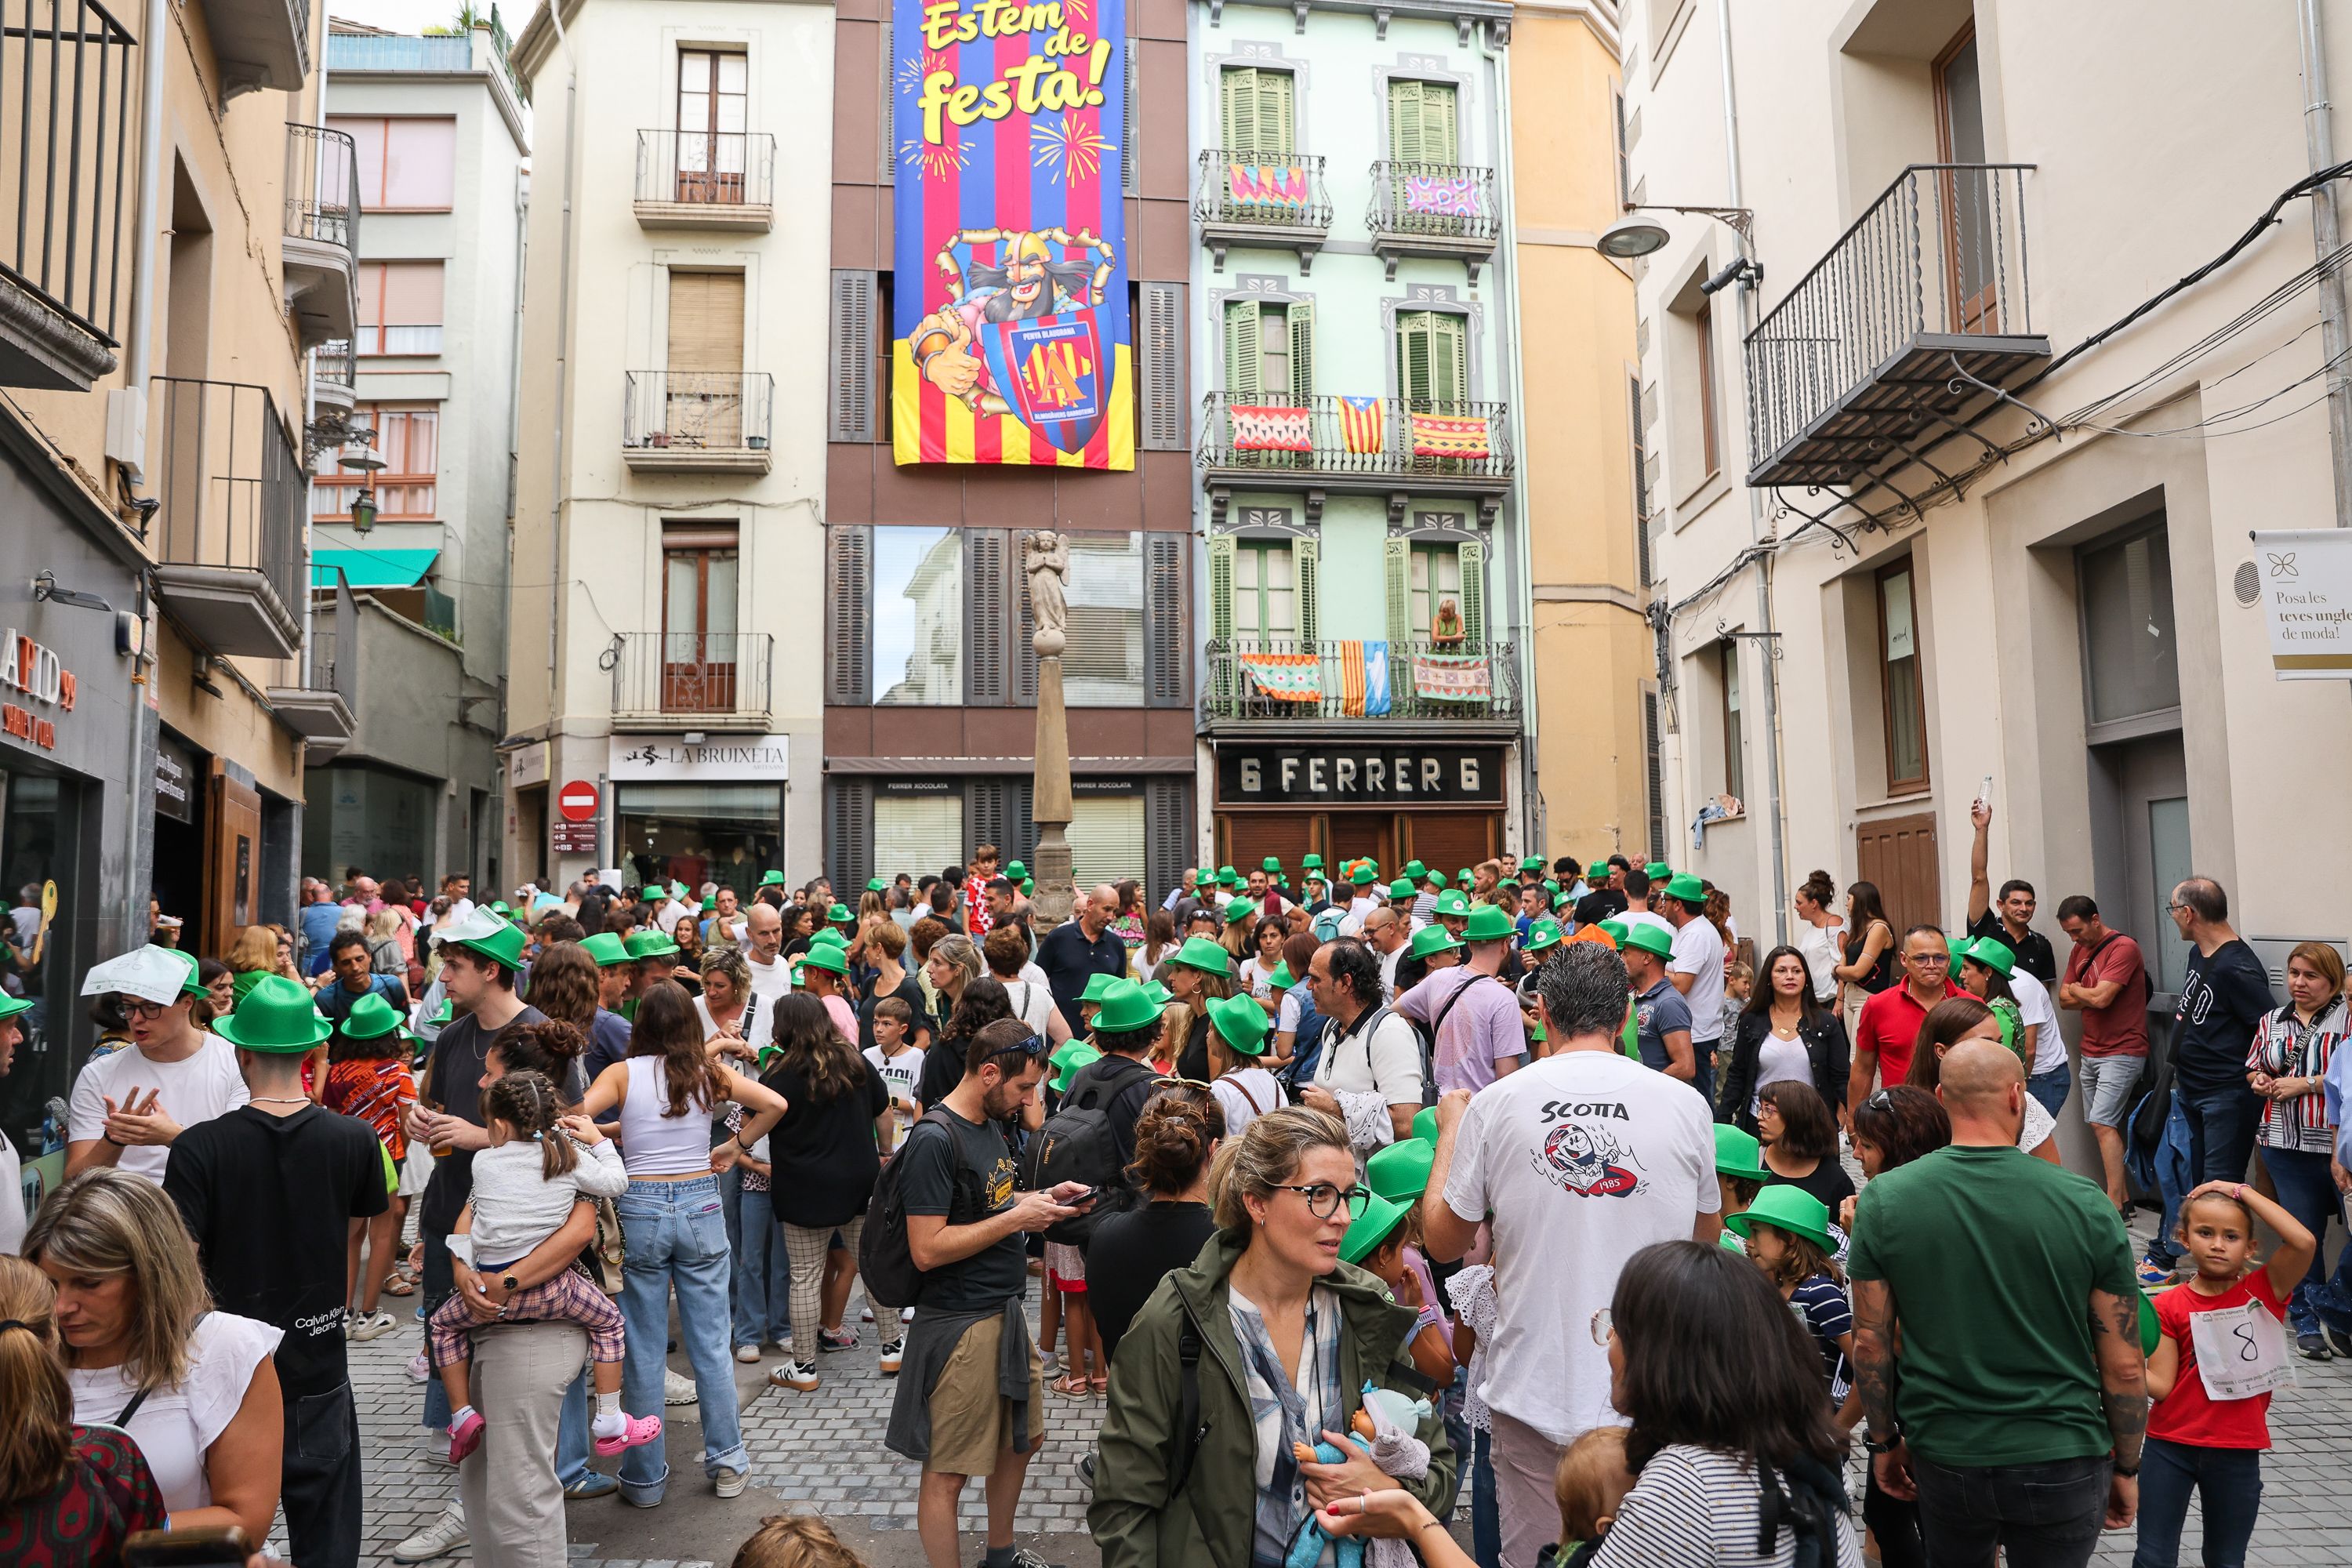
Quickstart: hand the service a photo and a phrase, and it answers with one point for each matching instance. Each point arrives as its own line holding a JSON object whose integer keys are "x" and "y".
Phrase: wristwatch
{"x": 509, "y": 1283}
{"x": 1872, "y": 1446}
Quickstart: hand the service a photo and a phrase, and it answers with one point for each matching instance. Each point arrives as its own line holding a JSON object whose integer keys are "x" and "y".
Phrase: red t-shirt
{"x": 1889, "y": 1026}
{"x": 2119, "y": 1029}
{"x": 2186, "y": 1416}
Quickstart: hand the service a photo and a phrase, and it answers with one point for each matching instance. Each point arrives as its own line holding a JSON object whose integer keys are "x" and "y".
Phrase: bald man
{"x": 2023, "y": 1393}
{"x": 1081, "y": 948}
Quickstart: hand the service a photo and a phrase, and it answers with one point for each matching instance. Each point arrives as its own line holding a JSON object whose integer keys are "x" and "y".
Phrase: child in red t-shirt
{"x": 2197, "y": 1443}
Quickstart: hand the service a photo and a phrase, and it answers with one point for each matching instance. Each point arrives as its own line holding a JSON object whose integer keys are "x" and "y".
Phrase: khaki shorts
{"x": 972, "y": 1422}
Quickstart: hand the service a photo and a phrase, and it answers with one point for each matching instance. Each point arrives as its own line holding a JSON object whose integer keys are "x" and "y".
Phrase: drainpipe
{"x": 1522, "y": 563}
{"x": 139, "y": 805}
{"x": 562, "y": 368}
{"x": 2319, "y": 142}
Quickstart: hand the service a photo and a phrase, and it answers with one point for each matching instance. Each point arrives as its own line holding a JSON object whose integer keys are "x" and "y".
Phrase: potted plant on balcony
{"x": 659, "y": 438}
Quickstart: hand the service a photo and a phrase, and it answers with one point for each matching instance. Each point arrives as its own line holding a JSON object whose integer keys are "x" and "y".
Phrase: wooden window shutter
{"x": 984, "y": 673}
{"x": 1168, "y": 830}
{"x": 1396, "y": 562}
{"x": 1440, "y": 136}
{"x": 988, "y": 815}
{"x": 1024, "y": 626}
{"x": 1162, "y": 377}
{"x": 1302, "y": 348}
{"x": 849, "y": 831}
{"x": 1412, "y": 329}
{"x": 1404, "y": 122}
{"x": 1238, "y": 87}
{"x": 885, "y": 163}
{"x": 1169, "y": 649}
{"x": 1641, "y": 485}
{"x": 1130, "y": 117}
{"x": 852, "y": 357}
{"x": 1220, "y": 587}
{"x": 848, "y": 615}
{"x": 1449, "y": 357}
{"x": 1274, "y": 109}
{"x": 1474, "y": 592}
{"x": 706, "y": 320}
{"x": 1019, "y": 840}
{"x": 1305, "y": 554}
{"x": 1245, "y": 361}
{"x": 1655, "y": 761}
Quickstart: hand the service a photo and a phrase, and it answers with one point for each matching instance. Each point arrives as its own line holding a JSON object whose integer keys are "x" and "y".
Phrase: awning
{"x": 372, "y": 568}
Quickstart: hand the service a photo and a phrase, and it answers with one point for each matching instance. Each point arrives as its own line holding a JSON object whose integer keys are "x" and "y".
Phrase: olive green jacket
{"x": 1211, "y": 1525}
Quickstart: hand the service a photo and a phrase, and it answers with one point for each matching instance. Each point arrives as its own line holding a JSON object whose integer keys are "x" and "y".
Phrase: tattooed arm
{"x": 2123, "y": 1383}
{"x": 1873, "y": 1361}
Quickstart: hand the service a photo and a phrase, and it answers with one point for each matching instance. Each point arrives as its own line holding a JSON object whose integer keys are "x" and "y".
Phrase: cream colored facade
{"x": 672, "y": 409}
{"x": 1593, "y": 654}
{"x": 2082, "y": 641}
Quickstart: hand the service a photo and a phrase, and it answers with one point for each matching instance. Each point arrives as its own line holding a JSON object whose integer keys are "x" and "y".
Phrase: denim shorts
{"x": 2107, "y": 1084}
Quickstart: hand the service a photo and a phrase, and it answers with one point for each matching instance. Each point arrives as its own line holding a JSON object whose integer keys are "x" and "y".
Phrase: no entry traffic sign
{"x": 577, "y": 801}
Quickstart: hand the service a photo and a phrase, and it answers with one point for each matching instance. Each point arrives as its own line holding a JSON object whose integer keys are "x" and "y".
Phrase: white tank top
{"x": 654, "y": 1144}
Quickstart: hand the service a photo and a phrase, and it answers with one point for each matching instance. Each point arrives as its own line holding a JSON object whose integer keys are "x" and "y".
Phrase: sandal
{"x": 399, "y": 1285}
{"x": 1071, "y": 1387}
{"x": 1099, "y": 1386}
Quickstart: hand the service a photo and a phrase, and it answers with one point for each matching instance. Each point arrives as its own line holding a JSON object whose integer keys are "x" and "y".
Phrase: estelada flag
{"x": 1360, "y": 424}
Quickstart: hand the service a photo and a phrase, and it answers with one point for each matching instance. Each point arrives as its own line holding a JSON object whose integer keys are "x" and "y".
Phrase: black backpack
{"x": 885, "y": 1261}
{"x": 1076, "y": 1145}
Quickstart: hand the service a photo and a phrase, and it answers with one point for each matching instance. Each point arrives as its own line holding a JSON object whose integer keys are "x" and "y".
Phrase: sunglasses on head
{"x": 1032, "y": 1048}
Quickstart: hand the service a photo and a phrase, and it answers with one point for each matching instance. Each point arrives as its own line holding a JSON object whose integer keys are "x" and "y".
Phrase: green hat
{"x": 677, "y": 889}
{"x": 1562, "y": 901}
{"x": 191, "y": 986}
{"x": 443, "y": 1013}
{"x": 1738, "y": 1154}
{"x": 1436, "y": 879}
{"x": 1454, "y": 901}
{"x": 1686, "y": 886}
{"x": 499, "y": 906}
{"x": 1073, "y": 1058}
{"x": 878, "y": 884}
{"x": 493, "y": 938}
{"x": 1433, "y": 939}
{"x": 1095, "y": 985}
{"x": 1228, "y": 875}
{"x": 371, "y": 1019}
{"x": 1401, "y": 888}
{"x": 1399, "y": 1173}
{"x": 1616, "y": 929}
{"x": 1271, "y": 865}
{"x": 1425, "y": 1125}
{"x": 839, "y": 915}
{"x": 1990, "y": 951}
{"x": 1158, "y": 992}
{"x": 1204, "y": 875}
{"x": 1028, "y": 885}
{"x": 1488, "y": 924}
{"x": 1549, "y": 885}
{"x": 605, "y": 947}
{"x": 1240, "y": 910}
{"x": 1792, "y": 1209}
{"x": 1545, "y": 933}
{"x": 772, "y": 878}
{"x": 1415, "y": 870}
{"x": 829, "y": 938}
{"x": 1282, "y": 979}
{"x": 710, "y": 903}
{"x": 1310, "y": 863}
{"x": 1199, "y": 952}
{"x": 1657, "y": 870}
{"x": 1463, "y": 877}
{"x": 277, "y": 1018}
{"x": 1532, "y": 863}
{"x": 1015, "y": 871}
{"x": 1380, "y": 1216}
{"x": 826, "y": 956}
{"x": 1363, "y": 876}
{"x": 1649, "y": 939}
{"x": 12, "y": 1005}
{"x": 1124, "y": 1006}
{"x": 650, "y": 944}
{"x": 1240, "y": 1023}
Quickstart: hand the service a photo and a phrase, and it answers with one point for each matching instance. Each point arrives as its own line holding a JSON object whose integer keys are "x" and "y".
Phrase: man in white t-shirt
{"x": 1697, "y": 970}
{"x": 129, "y": 1105}
{"x": 1388, "y": 932}
{"x": 772, "y": 977}
{"x": 1369, "y": 1073}
{"x": 1580, "y": 1159}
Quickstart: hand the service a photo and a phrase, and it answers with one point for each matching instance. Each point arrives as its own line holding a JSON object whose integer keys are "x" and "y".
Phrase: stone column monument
{"x": 1045, "y": 562}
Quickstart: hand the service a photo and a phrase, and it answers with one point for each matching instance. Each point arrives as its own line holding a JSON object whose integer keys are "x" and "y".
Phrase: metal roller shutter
{"x": 1106, "y": 838}
{"x": 921, "y": 835}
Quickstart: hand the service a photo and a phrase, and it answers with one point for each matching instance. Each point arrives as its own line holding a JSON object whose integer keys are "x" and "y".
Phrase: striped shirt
{"x": 1693, "y": 1506}
{"x": 2285, "y": 1046}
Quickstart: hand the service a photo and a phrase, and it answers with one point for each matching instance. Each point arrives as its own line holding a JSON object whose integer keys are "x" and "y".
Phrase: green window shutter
{"x": 1304, "y": 553}
{"x": 1404, "y": 122}
{"x": 1412, "y": 329}
{"x": 1302, "y": 350}
{"x": 1397, "y": 558}
{"x": 1440, "y": 142}
{"x": 1243, "y": 357}
{"x": 1220, "y": 587}
{"x": 1449, "y": 357}
{"x": 1474, "y": 593}
{"x": 1238, "y": 87}
{"x": 1275, "y": 111}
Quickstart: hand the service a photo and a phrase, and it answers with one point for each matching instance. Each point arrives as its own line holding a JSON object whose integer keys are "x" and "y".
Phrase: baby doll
{"x": 1387, "y": 1422}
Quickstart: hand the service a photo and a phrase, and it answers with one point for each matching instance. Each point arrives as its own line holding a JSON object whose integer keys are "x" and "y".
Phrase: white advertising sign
{"x": 665, "y": 759}
{"x": 526, "y": 765}
{"x": 2306, "y": 588}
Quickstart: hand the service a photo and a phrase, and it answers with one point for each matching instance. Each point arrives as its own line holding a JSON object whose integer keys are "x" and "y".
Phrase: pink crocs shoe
{"x": 636, "y": 1429}
{"x": 464, "y": 1436}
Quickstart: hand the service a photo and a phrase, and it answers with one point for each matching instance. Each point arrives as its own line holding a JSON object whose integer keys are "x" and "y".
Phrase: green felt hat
{"x": 499, "y": 906}
{"x": 1399, "y": 1173}
{"x": 1462, "y": 877}
{"x": 1228, "y": 875}
{"x": 1381, "y": 1217}
{"x": 1544, "y": 933}
{"x": 1792, "y": 1209}
{"x": 371, "y": 1019}
{"x": 826, "y": 956}
{"x": 710, "y": 903}
{"x": 1028, "y": 885}
{"x": 772, "y": 878}
{"x": 1240, "y": 910}
{"x": 1454, "y": 901}
{"x": 1685, "y": 886}
{"x": 445, "y": 1013}
{"x": 277, "y": 1018}
{"x": 1099, "y": 984}
{"x": 1363, "y": 876}
{"x": 493, "y": 938}
{"x": 830, "y": 938}
{"x": 1738, "y": 1154}
{"x": 1199, "y": 953}
{"x": 1532, "y": 863}
{"x": 1425, "y": 1125}
{"x": 1203, "y": 876}
{"x": 651, "y": 943}
{"x": 1488, "y": 924}
{"x": 1548, "y": 886}
{"x": 1616, "y": 929}
{"x": 1158, "y": 992}
{"x": 12, "y": 1005}
{"x": 1310, "y": 862}
{"x": 1649, "y": 939}
{"x": 878, "y": 884}
{"x": 1271, "y": 865}
{"x": 1992, "y": 952}
{"x": 1282, "y": 979}
{"x": 1240, "y": 1023}
{"x": 1069, "y": 1061}
{"x": 1401, "y": 888}
{"x": 605, "y": 947}
{"x": 1434, "y": 939}
{"x": 1562, "y": 902}
{"x": 191, "y": 986}
{"x": 1415, "y": 870}
{"x": 1657, "y": 870}
{"x": 839, "y": 915}
{"x": 1126, "y": 1006}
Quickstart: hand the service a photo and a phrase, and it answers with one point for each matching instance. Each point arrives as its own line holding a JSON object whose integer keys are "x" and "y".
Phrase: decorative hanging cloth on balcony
{"x": 1262, "y": 429}
{"x": 1449, "y": 435}
{"x": 1285, "y": 677}
{"x": 1364, "y": 679}
{"x": 1280, "y": 185}
{"x": 1360, "y": 424}
{"x": 1441, "y": 195}
{"x": 1447, "y": 677}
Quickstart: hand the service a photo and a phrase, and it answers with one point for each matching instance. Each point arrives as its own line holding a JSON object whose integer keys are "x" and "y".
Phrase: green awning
{"x": 372, "y": 568}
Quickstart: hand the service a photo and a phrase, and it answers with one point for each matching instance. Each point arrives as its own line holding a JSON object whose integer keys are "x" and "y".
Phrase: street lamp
{"x": 1630, "y": 237}
{"x": 359, "y": 454}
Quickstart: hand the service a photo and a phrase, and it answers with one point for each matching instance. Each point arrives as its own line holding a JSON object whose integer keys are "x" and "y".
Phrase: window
{"x": 1432, "y": 359}
{"x": 400, "y": 308}
{"x": 405, "y": 165}
{"x": 712, "y": 96}
{"x": 703, "y": 379}
{"x": 694, "y": 832}
{"x": 1266, "y": 603}
{"x": 1255, "y": 109}
{"x": 1710, "y": 456}
{"x": 919, "y": 615}
{"x": 1422, "y": 122}
{"x": 922, "y": 832}
{"x": 1901, "y": 682}
{"x": 409, "y": 440}
{"x": 699, "y": 576}
{"x": 1624, "y": 159}
{"x": 1735, "y": 750}
{"x": 2132, "y": 663}
{"x": 1436, "y": 593}
{"x": 1269, "y": 350}
{"x": 1966, "y": 217}
{"x": 1103, "y": 667}
{"x": 1106, "y": 837}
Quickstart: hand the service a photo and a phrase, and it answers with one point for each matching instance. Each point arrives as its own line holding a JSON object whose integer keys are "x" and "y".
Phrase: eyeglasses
{"x": 1879, "y": 1100}
{"x": 1323, "y": 1199}
{"x": 1930, "y": 960}
{"x": 1603, "y": 1327}
{"x": 138, "y": 1008}
{"x": 2174, "y": 908}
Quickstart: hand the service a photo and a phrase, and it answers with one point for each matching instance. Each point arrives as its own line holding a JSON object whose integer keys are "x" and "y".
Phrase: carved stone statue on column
{"x": 1045, "y": 563}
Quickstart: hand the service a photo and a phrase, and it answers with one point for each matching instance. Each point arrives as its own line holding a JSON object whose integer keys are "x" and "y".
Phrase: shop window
{"x": 919, "y": 615}
{"x": 1255, "y": 109}
{"x": 694, "y": 832}
{"x": 918, "y": 833}
{"x": 399, "y": 308}
{"x": 407, "y": 490}
{"x": 405, "y": 165}
{"x": 1103, "y": 667}
{"x": 1106, "y": 838}
{"x": 1903, "y": 684}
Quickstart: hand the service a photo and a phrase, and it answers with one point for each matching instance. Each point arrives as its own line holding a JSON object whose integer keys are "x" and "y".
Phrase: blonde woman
{"x": 253, "y": 954}
{"x": 144, "y": 1352}
{"x": 385, "y": 955}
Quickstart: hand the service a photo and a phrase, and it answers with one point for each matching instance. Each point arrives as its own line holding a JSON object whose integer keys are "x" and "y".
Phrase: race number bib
{"x": 2241, "y": 1352}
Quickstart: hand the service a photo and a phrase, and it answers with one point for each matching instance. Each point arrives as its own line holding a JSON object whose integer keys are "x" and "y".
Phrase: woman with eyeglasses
{"x": 129, "y": 1105}
{"x": 1290, "y": 1336}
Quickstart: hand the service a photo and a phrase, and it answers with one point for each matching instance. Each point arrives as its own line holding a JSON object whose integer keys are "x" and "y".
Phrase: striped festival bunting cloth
{"x": 1360, "y": 424}
{"x": 1451, "y": 678}
{"x": 1257, "y": 428}
{"x": 1449, "y": 435}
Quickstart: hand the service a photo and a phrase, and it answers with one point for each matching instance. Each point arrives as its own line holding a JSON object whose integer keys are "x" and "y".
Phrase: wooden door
{"x": 1965, "y": 193}
{"x": 232, "y": 859}
{"x": 1448, "y": 840}
{"x": 700, "y": 568}
{"x": 1244, "y": 838}
{"x": 1898, "y": 854}
{"x": 1358, "y": 833}
{"x": 712, "y": 96}
{"x": 704, "y": 396}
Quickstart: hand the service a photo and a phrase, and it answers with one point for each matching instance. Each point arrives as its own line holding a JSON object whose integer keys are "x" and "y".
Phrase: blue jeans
{"x": 1486, "y": 1515}
{"x": 676, "y": 1235}
{"x": 2221, "y": 1126}
{"x": 2050, "y": 1087}
{"x": 762, "y": 1281}
{"x": 2161, "y": 1249}
{"x": 2307, "y": 1191}
{"x": 1703, "y": 1070}
{"x": 2229, "y": 1481}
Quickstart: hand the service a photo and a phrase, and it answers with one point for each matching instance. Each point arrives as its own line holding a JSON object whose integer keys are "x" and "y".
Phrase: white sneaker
{"x": 419, "y": 1368}
{"x": 438, "y": 1539}
{"x": 905, "y": 1314}
{"x": 799, "y": 1375}
{"x": 730, "y": 1483}
{"x": 678, "y": 1388}
{"x": 866, "y": 1316}
{"x": 1053, "y": 1364}
{"x": 893, "y": 1353}
{"x": 747, "y": 1354}
{"x": 369, "y": 1326}
{"x": 347, "y": 1322}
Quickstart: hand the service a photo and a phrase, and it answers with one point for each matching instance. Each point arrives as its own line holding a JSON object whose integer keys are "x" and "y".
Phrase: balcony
{"x": 66, "y": 159}
{"x": 1278, "y": 683}
{"x": 322, "y": 233}
{"x": 693, "y": 680}
{"x": 321, "y": 709}
{"x": 1448, "y": 211}
{"x": 1359, "y": 444}
{"x": 722, "y": 181}
{"x": 1901, "y": 334}
{"x": 696, "y": 421}
{"x": 373, "y": 52}
{"x": 259, "y": 43}
{"x": 334, "y": 380}
{"x": 228, "y": 537}
{"x": 1273, "y": 201}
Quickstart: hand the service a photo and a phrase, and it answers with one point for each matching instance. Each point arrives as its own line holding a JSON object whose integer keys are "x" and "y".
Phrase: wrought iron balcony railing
{"x": 1338, "y": 434}
{"x": 229, "y": 476}
{"x": 322, "y": 186}
{"x": 705, "y": 168}
{"x": 697, "y": 410}
{"x": 1451, "y": 202}
{"x": 1918, "y": 309}
{"x": 1377, "y": 682}
{"x": 695, "y": 677}
{"x": 1264, "y": 190}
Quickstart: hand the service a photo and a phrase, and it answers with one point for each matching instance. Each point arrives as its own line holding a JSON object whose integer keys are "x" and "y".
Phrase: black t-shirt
{"x": 911, "y": 992}
{"x": 454, "y": 1085}
{"x": 1827, "y": 1180}
{"x": 1132, "y": 1252}
{"x": 823, "y": 1154}
{"x": 269, "y": 1200}
{"x": 2034, "y": 954}
{"x": 1193, "y": 1057}
{"x": 942, "y": 1070}
{"x": 1069, "y": 961}
{"x": 1599, "y": 905}
{"x": 1122, "y": 1084}
{"x": 2222, "y": 998}
{"x": 974, "y": 1155}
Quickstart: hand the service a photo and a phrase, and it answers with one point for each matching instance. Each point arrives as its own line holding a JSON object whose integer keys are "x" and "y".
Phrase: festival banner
{"x": 1010, "y": 336}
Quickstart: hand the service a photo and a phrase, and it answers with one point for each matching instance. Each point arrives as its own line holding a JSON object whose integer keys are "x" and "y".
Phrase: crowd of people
{"x": 1348, "y": 1190}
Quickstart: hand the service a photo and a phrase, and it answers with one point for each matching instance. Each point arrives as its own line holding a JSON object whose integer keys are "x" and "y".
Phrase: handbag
{"x": 601, "y": 1261}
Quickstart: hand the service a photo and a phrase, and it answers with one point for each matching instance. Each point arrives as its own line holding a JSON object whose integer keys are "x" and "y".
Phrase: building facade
{"x": 409, "y": 610}
{"x": 1955, "y": 504}
{"x": 671, "y": 461}
{"x": 1363, "y": 683}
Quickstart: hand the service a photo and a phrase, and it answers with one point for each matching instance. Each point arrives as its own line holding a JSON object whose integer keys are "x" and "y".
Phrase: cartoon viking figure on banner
{"x": 1018, "y": 333}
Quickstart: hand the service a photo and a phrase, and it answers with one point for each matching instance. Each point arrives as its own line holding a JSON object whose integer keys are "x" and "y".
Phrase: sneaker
{"x": 2153, "y": 1275}
{"x": 438, "y": 1539}
{"x": 730, "y": 1483}
{"x": 2312, "y": 1345}
{"x": 634, "y": 1429}
{"x": 419, "y": 1369}
{"x": 747, "y": 1354}
{"x": 347, "y": 1322}
{"x": 678, "y": 1388}
{"x": 836, "y": 1339}
{"x": 464, "y": 1436}
{"x": 369, "y": 1326}
{"x": 1053, "y": 1363}
{"x": 2338, "y": 1340}
{"x": 595, "y": 1484}
{"x": 866, "y": 1316}
{"x": 799, "y": 1375}
{"x": 893, "y": 1353}
{"x": 905, "y": 1314}
{"x": 1024, "y": 1558}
